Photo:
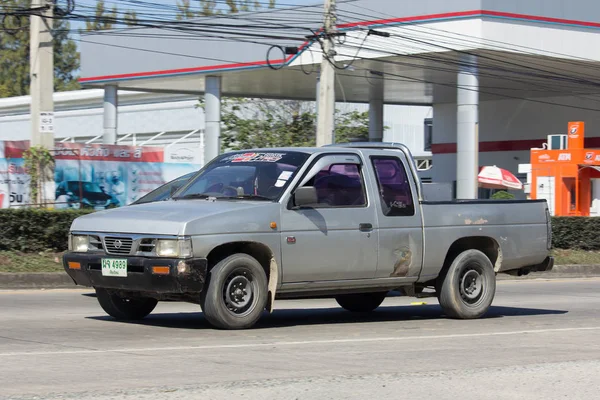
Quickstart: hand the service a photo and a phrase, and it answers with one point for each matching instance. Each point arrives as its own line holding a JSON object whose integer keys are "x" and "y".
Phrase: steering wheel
{"x": 221, "y": 189}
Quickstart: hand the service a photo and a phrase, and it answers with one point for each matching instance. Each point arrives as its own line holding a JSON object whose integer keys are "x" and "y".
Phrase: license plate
{"x": 114, "y": 267}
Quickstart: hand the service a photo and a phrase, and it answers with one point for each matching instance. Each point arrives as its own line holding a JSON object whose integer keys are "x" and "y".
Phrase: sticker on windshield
{"x": 285, "y": 175}
{"x": 280, "y": 183}
{"x": 250, "y": 157}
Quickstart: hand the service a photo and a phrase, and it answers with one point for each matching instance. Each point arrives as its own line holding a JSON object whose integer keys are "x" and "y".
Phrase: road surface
{"x": 541, "y": 340}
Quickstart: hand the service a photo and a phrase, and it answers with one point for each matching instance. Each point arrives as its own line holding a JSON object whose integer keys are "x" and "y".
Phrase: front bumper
{"x": 139, "y": 274}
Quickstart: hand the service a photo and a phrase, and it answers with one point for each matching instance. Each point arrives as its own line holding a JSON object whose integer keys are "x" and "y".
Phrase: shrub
{"x": 576, "y": 233}
{"x": 503, "y": 195}
{"x": 35, "y": 230}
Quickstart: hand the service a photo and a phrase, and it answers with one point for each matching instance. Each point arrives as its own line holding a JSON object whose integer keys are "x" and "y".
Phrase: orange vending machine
{"x": 563, "y": 176}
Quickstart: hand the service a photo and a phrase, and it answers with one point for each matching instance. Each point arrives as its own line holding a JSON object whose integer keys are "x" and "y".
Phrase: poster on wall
{"x": 94, "y": 176}
{"x": 14, "y": 179}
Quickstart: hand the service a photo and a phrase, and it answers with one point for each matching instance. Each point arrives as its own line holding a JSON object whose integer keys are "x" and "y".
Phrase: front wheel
{"x": 361, "y": 302}
{"x": 236, "y": 294}
{"x": 468, "y": 287}
{"x": 125, "y": 308}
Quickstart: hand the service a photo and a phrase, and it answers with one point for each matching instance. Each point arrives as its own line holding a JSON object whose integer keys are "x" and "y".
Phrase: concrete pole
{"x": 376, "y": 110}
{"x": 212, "y": 117}
{"x": 467, "y": 135}
{"x": 41, "y": 73}
{"x": 326, "y": 100}
{"x": 111, "y": 104}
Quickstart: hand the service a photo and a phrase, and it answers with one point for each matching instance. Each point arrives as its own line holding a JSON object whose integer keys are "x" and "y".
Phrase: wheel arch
{"x": 487, "y": 245}
{"x": 260, "y": 251}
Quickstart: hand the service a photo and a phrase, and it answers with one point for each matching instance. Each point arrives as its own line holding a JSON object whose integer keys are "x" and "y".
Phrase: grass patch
{"x": 576, "y": 257}
{"x": 17, "y": 262}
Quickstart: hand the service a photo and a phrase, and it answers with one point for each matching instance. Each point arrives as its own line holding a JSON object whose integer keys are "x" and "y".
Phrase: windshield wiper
{"x": 193, "y": 196}
{"x": 248, "y": 197}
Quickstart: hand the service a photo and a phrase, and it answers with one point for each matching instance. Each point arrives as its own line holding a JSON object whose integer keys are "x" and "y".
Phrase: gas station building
{"x": 501, "y": 75}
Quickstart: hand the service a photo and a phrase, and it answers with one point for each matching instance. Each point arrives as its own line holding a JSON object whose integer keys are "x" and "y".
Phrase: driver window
{"x": 339, "y": 185}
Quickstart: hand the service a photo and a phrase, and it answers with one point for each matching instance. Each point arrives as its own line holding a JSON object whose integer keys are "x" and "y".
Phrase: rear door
{"x": 335, "y": 239}
{"x": 399, "y": 216}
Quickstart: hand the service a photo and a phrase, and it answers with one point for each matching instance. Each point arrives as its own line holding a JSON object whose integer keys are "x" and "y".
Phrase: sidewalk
{"x": 60, "y": 280}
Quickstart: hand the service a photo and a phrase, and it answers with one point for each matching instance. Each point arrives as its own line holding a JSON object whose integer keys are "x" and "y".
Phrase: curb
{"x": 60, "y": 280}
{"x": 36, "y": 280}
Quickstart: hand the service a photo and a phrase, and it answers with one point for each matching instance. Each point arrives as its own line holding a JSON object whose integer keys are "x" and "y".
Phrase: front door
{"x": 336, "y": 239}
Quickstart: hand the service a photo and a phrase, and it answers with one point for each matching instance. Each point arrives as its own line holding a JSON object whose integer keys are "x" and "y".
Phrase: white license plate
{"x": 114, "y": 267}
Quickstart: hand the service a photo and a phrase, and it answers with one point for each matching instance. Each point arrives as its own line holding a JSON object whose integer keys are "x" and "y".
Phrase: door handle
{"x": 365, "y": 227}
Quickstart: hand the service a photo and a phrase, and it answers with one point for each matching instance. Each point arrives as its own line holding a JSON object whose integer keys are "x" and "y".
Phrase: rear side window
{"x": 394, "y": 187}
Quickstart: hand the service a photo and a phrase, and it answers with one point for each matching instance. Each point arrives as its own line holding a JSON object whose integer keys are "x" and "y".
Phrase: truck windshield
{"x": 245, "y": 175}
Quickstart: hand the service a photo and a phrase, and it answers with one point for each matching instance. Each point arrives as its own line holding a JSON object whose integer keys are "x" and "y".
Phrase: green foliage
{"x": 14, "y": 53}
{"x": 104, "y": 19}
{"x": 576, "y": 233}
{"x": 39, "y": 230}
{"x": 503, "y": 195}
{"x": 35, "y": 230}
{"x": 203, "y": 8}
{"x": 39, "y": 163}
{"x": 252, "y": 123}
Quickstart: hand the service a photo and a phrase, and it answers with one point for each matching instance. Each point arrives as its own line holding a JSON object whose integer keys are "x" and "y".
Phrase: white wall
{"x": 507, "y": 120}
{"x": 146, "y": 118}
{"x": 405, "y": 122}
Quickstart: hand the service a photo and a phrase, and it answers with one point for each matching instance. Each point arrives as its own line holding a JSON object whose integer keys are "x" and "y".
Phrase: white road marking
{"x": 296, "y": 343}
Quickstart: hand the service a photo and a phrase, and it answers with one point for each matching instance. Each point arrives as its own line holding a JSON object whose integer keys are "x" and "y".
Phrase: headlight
{"x": 80, "y": 243}
{"x": 174, "y": 248}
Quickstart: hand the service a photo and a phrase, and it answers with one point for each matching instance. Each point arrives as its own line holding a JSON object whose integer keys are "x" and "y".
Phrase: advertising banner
{"x": 93, "y": 175}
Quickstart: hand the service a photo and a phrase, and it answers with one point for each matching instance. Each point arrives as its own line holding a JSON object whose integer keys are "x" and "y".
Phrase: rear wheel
{"x": 236, "y": 294}
{"x": 466, "y": 290}
{"x": 123, "y": 307}
{"x": 361, "y": 302}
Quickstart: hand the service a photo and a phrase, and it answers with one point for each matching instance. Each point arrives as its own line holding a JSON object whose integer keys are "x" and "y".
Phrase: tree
{"x": 14, "y": 52}
{"x": 248, "y": 123}
{"x": 103, "y": 19}
{"x": 187, "y": 10}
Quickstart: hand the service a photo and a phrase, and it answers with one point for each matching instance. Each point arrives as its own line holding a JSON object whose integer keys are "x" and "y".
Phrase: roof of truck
{"x": 333, "y": 147}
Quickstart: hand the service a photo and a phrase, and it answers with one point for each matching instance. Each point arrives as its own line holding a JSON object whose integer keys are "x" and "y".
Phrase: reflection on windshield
{"x": 245, "y": 175}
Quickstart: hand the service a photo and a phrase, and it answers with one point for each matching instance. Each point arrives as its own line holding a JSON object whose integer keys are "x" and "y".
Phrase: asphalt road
{"x": 541, "y": 340}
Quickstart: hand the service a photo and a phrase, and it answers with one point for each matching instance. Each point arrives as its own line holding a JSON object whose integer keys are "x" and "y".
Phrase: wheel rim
{"x": 239, "y": 292}
{"x": 472, "y": 285}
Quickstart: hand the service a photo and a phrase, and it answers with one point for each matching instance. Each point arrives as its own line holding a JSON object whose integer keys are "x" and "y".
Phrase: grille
{"x": 118, "y": 245}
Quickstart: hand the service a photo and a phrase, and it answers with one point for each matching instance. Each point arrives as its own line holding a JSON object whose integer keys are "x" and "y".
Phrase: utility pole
{"x": 326, "y": 100}
{"x": 41, "y": 73}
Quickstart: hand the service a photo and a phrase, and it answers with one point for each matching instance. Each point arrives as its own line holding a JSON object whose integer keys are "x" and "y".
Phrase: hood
{"x": 183, "y": 217}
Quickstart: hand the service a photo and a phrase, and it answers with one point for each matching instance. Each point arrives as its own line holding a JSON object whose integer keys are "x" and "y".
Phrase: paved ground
{"x": 540, "y": 341}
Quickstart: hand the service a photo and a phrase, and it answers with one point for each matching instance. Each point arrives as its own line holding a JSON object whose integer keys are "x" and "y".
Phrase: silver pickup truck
{"x": 348, "y": 222}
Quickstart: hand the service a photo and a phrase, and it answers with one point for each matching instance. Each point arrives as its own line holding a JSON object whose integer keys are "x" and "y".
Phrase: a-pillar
{"x": 376, "y": 109}
{"x": 111, "y": 105}
{"x": 467, "y": 135}
{"x": 212, "y": 117}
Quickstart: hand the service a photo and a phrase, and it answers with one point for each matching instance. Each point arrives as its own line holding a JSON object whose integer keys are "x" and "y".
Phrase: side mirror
{"x": 305, "y": 196}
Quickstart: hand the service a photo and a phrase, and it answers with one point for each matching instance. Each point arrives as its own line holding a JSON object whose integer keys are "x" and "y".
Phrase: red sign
{"x": 99, "y": 152}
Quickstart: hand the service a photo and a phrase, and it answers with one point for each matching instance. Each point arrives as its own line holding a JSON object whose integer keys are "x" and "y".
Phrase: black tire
{"x": 236, "y": 294}
{"x": 467, "y": 288}
{"x": 125, "y": 308}
{"x": 361, "y": 302}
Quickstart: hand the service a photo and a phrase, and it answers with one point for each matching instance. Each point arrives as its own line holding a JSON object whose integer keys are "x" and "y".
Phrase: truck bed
{"x": 518, "y": 227}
